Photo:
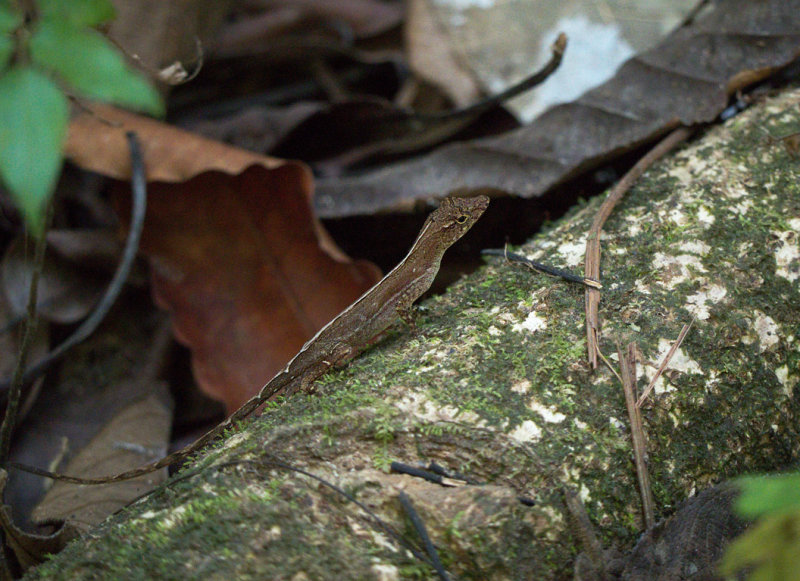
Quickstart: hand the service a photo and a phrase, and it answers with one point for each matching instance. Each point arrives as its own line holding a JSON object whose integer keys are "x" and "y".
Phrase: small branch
{"x": 419, "y": 526}
{"x": 627, "y": 362}
{"x": 539, "y": 267}
{"x": 664, "y": 363}
{"x": 537, "y": 78}
{"x": 90, "y": 324}
{"x": 592, "y": 262}
{"x": 18, "y": 378}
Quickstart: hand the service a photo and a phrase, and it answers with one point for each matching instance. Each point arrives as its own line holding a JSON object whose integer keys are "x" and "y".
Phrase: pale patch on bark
{"x": 700, "y": 302}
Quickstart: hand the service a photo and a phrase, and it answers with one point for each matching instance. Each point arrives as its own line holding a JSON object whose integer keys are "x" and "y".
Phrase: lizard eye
{"x": 461, "y": 219}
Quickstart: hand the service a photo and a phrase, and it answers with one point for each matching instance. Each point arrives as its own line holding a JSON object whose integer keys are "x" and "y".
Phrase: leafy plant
{"x": 771, "y": 547}
{"x": 50, "y": 49}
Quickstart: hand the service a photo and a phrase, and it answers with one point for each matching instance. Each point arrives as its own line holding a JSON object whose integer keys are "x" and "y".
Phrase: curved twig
{"x": 139, "y": 188}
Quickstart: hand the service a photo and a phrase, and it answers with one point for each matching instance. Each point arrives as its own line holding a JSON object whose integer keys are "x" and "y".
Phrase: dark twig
{"x": 419, "y": 526}
{"x": 139, "y": 188}
{"x": 18, "y": 378}
{"x": 400, "y": 468}
{"x": 592, "y": 262}
{"x": 627, "y": 363}
{"x": 558, "y": 48}
{"x": 543, "y": 268}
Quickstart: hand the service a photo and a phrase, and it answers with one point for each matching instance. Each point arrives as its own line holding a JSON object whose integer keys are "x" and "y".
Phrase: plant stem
{"x": 15, "y": 390}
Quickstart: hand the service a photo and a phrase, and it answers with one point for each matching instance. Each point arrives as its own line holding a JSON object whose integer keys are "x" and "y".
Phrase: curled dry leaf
{"x": 31, "y": 549}
{"x": 237, "y": 255}
{"x": 686, "y": 79}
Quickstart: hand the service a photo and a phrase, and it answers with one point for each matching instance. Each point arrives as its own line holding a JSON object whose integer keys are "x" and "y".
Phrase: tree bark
{"x": 496, "y": 386}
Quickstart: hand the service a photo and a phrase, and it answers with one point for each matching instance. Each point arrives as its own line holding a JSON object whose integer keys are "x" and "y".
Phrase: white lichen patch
{"x": 385, "y": 572}
{"x": 417, "y": 404}
{"x": 680, "y": 362}
{"x": 695, "y": 247}
{"x": 673, "y": 270}
{"x": 742, "y": 207}
{"x": 767, "y": 331}
{"x": 734, "y": 191}
{"x": 521, "y": 386}
{"x": 616, "y": 423}
{"x": 572, "y": 251}
{"x": 532, "y": 323}
{"x": 700, "y": 303}
{"x": 686, "y": 172}
{"x": 705, "y": 217}
{"x": 549, "y": 415}
{"x": 584, "y": 493}
{"x": 787, "y": 253}
{"x": 788, "y": 383}
{"x": 172, "y": 518}
{"x": 527, "y": 431}
{"x": 678, "y": 217}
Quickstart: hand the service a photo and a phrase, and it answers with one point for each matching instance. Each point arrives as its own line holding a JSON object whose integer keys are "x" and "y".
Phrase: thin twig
{"x": 419, "y": 526}
{"x": 608, "y": 364}
{"x": 139, "y": 188}
{"x": 18, "y": 378}
{"x": 539, "y": 267}
{"x": 664, "y": 363}
{"x": 627, "y": 363}
{"x": 592, "y": 262}
{"x": 537, "y": 78}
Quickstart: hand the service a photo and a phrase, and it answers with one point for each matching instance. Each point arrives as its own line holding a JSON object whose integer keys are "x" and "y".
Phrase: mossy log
{"x": 495, "y": 386}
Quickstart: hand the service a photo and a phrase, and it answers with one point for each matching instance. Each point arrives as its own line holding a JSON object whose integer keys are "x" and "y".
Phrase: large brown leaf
{"x": 686, "y": 79}
{"x": 237, "y": 255}
{"x": 238, "y": 262}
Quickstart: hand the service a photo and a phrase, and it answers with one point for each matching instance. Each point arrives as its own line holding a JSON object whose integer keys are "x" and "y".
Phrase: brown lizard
{"x": 347, "y": 334}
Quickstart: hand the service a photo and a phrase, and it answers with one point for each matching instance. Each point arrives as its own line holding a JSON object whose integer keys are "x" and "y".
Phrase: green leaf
{"x": 10, "y": 19}
{"x": 84, "y": 59}
{"x": 771, "y": 548}
{"x": 83, "y": 12}
{"x": 33, "y": 123}
{"x": 768, "y": 494}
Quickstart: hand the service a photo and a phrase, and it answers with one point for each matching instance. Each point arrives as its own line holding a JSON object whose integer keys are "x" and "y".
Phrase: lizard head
{"x": 454, "y": 217}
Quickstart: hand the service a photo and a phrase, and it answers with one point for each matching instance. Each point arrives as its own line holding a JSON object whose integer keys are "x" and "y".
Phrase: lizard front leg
{"x": 339, "y": 353}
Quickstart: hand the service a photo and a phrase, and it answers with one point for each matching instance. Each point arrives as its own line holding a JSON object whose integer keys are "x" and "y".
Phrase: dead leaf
{"x": 434, "y": 56}
{"x": 237, "y": 261}
{"x": 255, "y": 128}
{"x": 685, "y": 80}
{"x": 136, "y": 435}
{"x": 96, "y": 142}
{"x": 69, "y": 286}
{"x": 237, "y": 255}
{"x": 114, "y": 368}
{"x": 364, "y": 131}
{"x": 365, "y": 17}
{"x": 31, "y": 549}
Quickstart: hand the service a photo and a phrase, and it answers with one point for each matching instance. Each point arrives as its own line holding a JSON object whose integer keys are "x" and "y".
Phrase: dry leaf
{"x": 68, "y": 286}
{"x": 136, "y": 435}
{"x": 434, "y": 56}
{"x": 31, "y": 549}
{"x": 237, "y": 261}
{"x": 237, "y": 255}
{"x": 687, "y": 79}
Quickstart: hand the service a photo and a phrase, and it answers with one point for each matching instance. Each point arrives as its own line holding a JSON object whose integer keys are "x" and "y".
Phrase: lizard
{"x": 346, "y": 335}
